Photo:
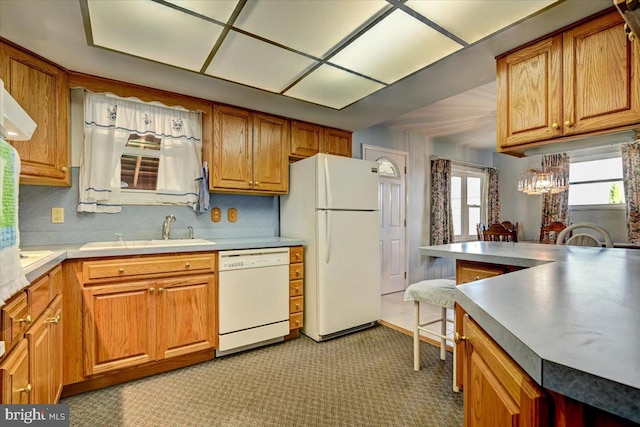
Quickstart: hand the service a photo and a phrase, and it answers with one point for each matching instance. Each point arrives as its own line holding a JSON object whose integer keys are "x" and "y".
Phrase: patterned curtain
{"x": 493, "y": 195}
{"x": 555, "y": 207}
{"x": 441, "y": 214}
{"x": 631, "y": 177}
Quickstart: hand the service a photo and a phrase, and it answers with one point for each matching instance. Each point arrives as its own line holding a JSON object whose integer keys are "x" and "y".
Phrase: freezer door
{"x": 348, "y": 281}
{"x": 346, "y": 183}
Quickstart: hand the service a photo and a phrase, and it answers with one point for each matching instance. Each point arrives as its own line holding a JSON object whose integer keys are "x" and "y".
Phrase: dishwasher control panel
{"x": 252, "y": 258}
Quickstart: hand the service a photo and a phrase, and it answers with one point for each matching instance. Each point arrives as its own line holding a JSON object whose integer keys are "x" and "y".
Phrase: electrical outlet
{"x": 57, "y": 215}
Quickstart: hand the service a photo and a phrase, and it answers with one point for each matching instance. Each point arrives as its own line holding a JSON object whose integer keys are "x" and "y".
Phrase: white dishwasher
{"x": 253, "y": 298}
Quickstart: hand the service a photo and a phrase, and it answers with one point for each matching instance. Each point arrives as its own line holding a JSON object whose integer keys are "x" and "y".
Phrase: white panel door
{"x": 346, "y": 183}
{"x": 392, "y": 203}
{"x": 348, "y": 289}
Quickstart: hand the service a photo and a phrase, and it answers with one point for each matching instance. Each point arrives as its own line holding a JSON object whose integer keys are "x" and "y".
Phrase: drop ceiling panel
{"x": 140, "y": 28}
{"x": 395, "y": 47}
{"x": 312, "y": 27}
{"x": 220, "y": 10}
{"x": 333, "y": 87}
{"x": 252, "y": 62}
{"x": 472, "y": 20}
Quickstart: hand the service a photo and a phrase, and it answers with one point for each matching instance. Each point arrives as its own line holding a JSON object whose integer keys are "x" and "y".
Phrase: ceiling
{"x": 346, "y": 64}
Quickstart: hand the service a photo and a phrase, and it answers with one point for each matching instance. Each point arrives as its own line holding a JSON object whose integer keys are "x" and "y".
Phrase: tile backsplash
{"x": 258, "y": 216}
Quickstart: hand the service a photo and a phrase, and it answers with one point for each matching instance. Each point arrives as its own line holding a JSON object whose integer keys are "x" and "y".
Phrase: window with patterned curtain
{"x": 555, "y": 207}
{"x": 631, "y": 179}
{"x": 441, "y": 213}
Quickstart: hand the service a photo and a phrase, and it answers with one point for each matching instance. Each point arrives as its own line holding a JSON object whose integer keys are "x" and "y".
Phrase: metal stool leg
{"x": 416, "y": 336}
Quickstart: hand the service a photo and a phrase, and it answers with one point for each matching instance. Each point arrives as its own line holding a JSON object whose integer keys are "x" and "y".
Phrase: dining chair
{"x": 549, "y": 232}
{"x": 511, "y": 226}
{"x": 498, "y": 233}
{"x": 583, "y": 239}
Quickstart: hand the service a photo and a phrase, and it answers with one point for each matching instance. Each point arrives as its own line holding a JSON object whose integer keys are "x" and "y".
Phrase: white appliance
{"x": 15, "y": 123}
{"x": 253, "y": 298}
{"x": 333, "y": 205}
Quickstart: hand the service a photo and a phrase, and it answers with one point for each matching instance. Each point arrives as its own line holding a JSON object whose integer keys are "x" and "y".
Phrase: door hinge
{"x": 405, "y": 222}
{"x": 405, "y": 170}
{"x": 405, "y": 274}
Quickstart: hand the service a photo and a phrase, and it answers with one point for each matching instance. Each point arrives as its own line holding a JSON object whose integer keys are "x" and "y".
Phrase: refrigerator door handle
{"x": 327, "y": 183}
{"x": 327, "y": 238}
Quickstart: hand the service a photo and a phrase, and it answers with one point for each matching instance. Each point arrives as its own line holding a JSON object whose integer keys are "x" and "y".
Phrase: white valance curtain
{"x": 108, "y": 123}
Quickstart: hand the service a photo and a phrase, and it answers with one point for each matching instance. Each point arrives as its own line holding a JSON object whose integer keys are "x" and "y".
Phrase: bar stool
{"x": 438, "y": 292}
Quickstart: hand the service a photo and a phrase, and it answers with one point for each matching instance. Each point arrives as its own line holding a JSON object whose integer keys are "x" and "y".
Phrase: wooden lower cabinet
{"x": 497, "y": 392}
{"x": 14, "y": 376}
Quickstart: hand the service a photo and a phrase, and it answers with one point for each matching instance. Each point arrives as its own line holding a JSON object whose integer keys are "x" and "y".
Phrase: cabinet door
{"x": 601, "y": 76}
{"x": 186, "y": 315}
{"x": 41, "y": 89}
{"x": 270, "y": 153}
{"x": 336, "y": 141}
{"x": 529, "y": 93}
{"x": 497, "y": 392}
{"x": 119, "y": 326}
{"x": 306, "y": 139}
{"x": 231, "y": 163}
{"x": 55, "y": 358}
{"x": 14, "y": 376}
{"x": 39, "y": 339}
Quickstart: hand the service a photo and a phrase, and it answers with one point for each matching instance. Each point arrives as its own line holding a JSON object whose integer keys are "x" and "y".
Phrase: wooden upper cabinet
{"x": 582, "y": 81}
{"x": 337, "y": 142}
{"x": 41, "y": 89}
{"x": 270, "y": 153}
{"x": 249, "y": 152}
{"x": 308, "y": 139}
{"x": 231, "y": 164}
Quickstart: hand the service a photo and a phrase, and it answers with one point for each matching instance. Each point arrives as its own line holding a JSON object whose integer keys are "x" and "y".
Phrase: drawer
{"x": 296, "y": 271}
{"x": 295, "y": 321}
{"x": 116, "y": 268}
{"x": 296, "y": 304}
{"x": 14, "y": 320}
{"x": 296, "y": 288}
{"x": 296, "y": 254}
{"x": 39, "y": 296}
{"x": 469, "y": 271}
{"x": 55, "y": 276}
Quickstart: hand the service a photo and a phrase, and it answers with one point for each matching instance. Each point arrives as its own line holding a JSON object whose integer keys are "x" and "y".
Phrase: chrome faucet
{"x": 190, "y": 228}
{"x": 166, "y": 226}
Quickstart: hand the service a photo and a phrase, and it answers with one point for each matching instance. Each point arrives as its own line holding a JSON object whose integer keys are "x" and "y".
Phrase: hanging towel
{"x": 203, "y": 190}
{"x": 12, "y": 277}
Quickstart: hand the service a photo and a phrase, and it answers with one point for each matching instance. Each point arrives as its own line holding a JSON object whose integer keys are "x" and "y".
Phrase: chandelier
{"x": 538, "y": 181}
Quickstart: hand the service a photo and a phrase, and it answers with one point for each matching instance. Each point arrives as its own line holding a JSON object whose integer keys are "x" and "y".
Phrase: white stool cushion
{"x": 438, "y": 292}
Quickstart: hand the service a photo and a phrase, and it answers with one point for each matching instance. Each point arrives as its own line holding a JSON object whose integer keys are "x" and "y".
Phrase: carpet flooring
{"x": 362, "y": 379}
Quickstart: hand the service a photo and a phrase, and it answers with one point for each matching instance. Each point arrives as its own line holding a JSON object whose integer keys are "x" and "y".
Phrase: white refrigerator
{"x": 333, "y": 205}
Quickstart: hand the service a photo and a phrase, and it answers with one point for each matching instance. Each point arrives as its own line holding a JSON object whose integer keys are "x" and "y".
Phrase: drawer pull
{"x": 297, "y": 288}
{"x": 26, "y": 320}
{"x": 27, "y": 389}
{"x": 187, "y": 265}
{"x": 297, "y": 272}
{"x": 457, "y": 338}
{"x": 297, "y": 306}
{"x": 477, "y": 277}
{"x": 53, "y": 319}
{"x": 298, "y": 255}
{"x": 121, "y": 270}
{"x": 297, "y": 322}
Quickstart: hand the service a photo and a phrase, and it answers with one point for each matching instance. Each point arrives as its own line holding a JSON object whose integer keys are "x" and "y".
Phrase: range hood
{"x": 15, "y": 123}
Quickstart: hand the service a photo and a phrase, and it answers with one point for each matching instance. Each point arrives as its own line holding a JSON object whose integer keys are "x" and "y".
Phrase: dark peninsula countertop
{"x": 571, "y": 320}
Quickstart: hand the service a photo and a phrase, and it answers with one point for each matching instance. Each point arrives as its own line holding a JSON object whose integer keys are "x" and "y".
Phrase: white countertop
{"x": 570, "y": 320}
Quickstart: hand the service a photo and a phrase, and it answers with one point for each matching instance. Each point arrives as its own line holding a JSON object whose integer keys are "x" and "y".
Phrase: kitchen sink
{"x": 126, "y": 244}
{"x": 29, "y": 257}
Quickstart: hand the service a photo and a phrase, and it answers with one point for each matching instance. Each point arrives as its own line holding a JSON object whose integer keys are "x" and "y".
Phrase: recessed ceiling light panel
{"x": 252, "y": 62}
{"x": 472, "y": 20}
{"x": 333, "y": 87}
{"x": 312, "y": 27}
{"x": 394, "y": 48}
{"x": 219, "y": 10}
{"x": 150, "y": 30}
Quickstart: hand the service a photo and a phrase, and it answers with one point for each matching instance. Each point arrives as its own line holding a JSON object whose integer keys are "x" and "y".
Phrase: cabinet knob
{"x": 27, "y": 389}
{"x": 53, "y": 319}
{"x": 457, "y": 338}
{"x": 160, "y": 290}
{"x": 629, "y": 33}
{"x": 477, "y": 277}
{"x": 187, "y": 265}
{"x": 64, "y": 169}
{"x": 298, "y": 255}
{"x": 555, "y": 125}
{"x": 152, "y": 290}
{"x": 26, "y": 320}
{"x": 568, "y": 123}
{"x": 257, "y": 183}
{"x": 297, "y": 272}
{"x": 250, "y": 182}
{"x": 297, "y": 289}
{"x": 121, "y": 270}
{"x": 297, "y": 306}
{"x": 297, "y": 322}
